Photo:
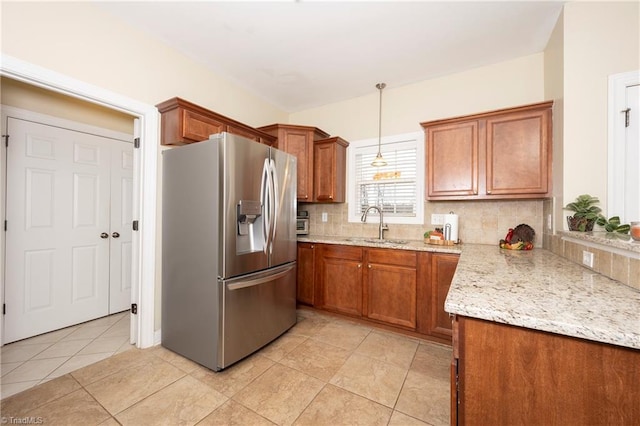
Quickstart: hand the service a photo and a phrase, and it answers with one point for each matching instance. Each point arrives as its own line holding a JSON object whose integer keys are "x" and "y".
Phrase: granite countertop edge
{"x": 415, "y": 245}
{"x": 542, "y": 291}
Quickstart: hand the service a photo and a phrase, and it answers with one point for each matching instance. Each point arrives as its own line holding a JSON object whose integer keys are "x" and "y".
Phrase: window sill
{"x": 611, "y": 241}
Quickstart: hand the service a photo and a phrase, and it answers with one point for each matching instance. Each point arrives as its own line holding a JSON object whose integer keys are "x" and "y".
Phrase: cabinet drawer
{"x": 342, "y": 252}
{"x": 392, "y": 257}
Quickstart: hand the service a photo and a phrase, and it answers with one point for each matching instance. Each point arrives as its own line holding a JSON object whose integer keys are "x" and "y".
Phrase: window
{"x": 397, "y": 187}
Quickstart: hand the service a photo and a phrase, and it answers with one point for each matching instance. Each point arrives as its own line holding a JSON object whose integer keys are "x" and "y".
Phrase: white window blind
{"x": 396, "y": 188}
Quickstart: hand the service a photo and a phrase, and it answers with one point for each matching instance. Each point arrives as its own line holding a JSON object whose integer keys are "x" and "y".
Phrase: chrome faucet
{"x": 382, "y": 227}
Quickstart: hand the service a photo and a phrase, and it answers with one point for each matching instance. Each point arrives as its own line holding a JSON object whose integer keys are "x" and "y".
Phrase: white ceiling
{"x": 299, "y": 55}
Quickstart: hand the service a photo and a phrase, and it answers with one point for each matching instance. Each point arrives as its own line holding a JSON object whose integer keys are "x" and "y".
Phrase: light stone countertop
{"x": 533, "y": 289}
{"x": 415, "y": 245}
{"x": 611, "y": 239}
{"x": 539, "y": 290}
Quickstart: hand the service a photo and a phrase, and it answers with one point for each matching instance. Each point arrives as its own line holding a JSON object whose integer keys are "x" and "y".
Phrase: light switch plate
{"x": 325, "y": 217}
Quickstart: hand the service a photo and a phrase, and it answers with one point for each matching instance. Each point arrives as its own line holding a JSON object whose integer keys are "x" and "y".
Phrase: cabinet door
{"x": 390, "y": 286}
{"x": 300, "y": 144}
{"x": 452, "y": 159}
{"x": 246, "y": 133}
{"x": 443, "y": 266}
{"x": 552, "y": 379}
{"x": 339, "y": 275}
{"x": 518, "y": 153}
{"x": 329, "y": 169}
{"x": 305, "y": 281}
{"x": 197, "y": 127}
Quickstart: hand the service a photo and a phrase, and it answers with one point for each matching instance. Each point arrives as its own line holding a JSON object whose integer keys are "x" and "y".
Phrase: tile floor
{"x": 324, "y": 371}
{"x": 33, "y": 361}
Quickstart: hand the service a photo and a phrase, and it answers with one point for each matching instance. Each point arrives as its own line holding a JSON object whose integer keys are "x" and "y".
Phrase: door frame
{"x": 145, "y": 180}
{"x": 617, "y": 85}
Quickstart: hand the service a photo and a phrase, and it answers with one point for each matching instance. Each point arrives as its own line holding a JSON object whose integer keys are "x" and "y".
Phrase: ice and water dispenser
{"x": 250, "y": 235}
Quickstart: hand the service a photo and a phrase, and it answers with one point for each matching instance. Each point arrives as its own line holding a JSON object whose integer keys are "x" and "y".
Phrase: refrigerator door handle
{"x": 265, "y": 189}
{"x": 276, "y": 191}
{"x": 258, "y": 281}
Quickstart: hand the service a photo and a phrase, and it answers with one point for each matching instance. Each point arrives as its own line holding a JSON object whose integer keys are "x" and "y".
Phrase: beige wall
{"x": 554, "y": 90}
{"x": 515, "y": 82}
{"x": 600, "y": 39}
{"x": 86, "y": 43}
{"x": 21, "y": 95}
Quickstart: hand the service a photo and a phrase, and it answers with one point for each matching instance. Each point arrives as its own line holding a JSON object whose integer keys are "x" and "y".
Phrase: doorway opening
{"x": 144, "y": 182}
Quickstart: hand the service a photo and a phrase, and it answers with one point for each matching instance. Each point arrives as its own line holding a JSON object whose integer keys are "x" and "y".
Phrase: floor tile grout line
{"x": 77, "y": 327}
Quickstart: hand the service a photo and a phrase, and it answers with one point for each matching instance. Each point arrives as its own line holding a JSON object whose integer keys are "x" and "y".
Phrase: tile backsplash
{"x": 481, "y": 222}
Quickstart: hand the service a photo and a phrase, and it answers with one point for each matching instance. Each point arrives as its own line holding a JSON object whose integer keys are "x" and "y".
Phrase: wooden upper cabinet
{"x": 452, "y": 159}
{"x": 498, "y": 154}
{"x": 518, "y": 152}
{"x": 183, "y": 122}
{"x": 298, "y": 141}
{"x": 329, "y": 169}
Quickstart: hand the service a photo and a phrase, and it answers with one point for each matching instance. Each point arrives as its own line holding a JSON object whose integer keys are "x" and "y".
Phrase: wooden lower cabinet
{"x": 339, "y": 279}
{"x": 513, "y": 375}
{"x": 403, "y": 289}
{"x": 442, "y": 268}
{"x": 305, "y": 274}
{"x": 390, "y": 286}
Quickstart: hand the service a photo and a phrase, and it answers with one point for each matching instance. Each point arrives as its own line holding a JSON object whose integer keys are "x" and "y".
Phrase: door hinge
{"x": 6, "y": 140}
{"x": 134, "y": 308}
{"x": 135, "y": 225}
{"x": 5, "y": 226}
{"x": 136, "y": 143}
{"x": 4, "y": 309}
{"x": 626, "y": 116}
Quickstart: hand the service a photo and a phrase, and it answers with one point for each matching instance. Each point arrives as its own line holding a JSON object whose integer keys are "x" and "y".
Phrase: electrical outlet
{"x": 437, "y": 219}
{"x": 325, "y": 216}
{"x": 587, "y": 258}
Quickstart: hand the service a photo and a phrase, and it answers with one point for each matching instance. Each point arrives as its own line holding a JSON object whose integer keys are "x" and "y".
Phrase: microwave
{"x": 302, "y": 223}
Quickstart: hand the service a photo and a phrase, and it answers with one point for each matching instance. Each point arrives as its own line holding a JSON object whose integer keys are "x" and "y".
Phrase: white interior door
{"x": 58, "y": 228}
{"x": 121, "y": 226}
{"x": 632, "y": 156}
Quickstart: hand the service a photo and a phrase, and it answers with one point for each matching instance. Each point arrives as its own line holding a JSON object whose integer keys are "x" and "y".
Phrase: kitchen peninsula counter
{"x": 542, "y": 291}
{"x": 532, "y": 289}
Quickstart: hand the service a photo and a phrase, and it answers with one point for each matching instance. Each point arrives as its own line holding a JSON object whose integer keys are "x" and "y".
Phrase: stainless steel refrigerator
{"x": 228, "y": 248}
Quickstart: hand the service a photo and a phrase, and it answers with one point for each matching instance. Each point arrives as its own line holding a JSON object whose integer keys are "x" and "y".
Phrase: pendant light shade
{"x": 379, "y": 160}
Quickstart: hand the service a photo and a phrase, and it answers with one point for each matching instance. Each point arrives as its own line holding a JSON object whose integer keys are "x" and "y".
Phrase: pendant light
{"x": 379, "y": 161}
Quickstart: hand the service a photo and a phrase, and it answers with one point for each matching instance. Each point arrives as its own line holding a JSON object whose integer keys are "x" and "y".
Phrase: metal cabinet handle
{"x": 359, "y": 265}
{"x": 104, "y": 235}
{"x": 115, "y": 235}
{"x": 369, "y": 266}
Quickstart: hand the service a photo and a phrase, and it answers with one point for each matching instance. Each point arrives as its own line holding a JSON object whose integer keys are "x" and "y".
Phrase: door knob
{"x": 104, "y": 235}
{"x": 115, "y": 235}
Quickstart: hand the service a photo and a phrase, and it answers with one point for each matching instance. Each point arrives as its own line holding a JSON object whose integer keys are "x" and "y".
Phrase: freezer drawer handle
{"x": 260, "y": 280}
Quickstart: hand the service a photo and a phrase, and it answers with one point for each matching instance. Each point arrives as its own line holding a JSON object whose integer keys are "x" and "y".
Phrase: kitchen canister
{"x": 451, "y": 227}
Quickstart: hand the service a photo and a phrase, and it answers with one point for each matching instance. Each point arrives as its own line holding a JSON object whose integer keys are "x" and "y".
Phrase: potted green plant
{"x": 613, "y": 224}
{"x": 585, "y": 213}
